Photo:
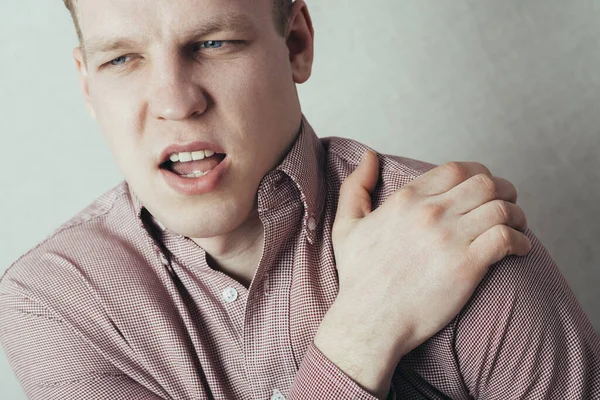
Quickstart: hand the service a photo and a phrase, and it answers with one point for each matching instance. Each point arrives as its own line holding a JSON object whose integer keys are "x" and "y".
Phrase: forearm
{"x": 319, "y": 378}
{"x": 354, "y": 350}
{"x": 359, "y": 356}
{"x": 51, "y": 362}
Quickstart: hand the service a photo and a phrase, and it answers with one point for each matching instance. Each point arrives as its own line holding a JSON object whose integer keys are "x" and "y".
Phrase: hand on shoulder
{"x": 407, "y": 268}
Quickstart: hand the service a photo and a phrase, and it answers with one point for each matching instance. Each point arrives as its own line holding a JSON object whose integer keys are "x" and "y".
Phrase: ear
{"x": 300, "y": 41}
{"x": 81, "y": 65}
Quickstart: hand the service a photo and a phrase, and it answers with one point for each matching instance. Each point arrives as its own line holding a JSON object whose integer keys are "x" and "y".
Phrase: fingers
{"x": 496, "y": 243}
{"x": 477, "y": 191}
{"x": 483, "y": 218}
{"x": 355, "y": 192}
{"x": 443, "y": 178}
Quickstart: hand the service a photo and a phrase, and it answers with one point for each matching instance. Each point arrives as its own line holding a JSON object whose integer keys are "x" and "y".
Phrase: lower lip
{"x": 196, "y": 186}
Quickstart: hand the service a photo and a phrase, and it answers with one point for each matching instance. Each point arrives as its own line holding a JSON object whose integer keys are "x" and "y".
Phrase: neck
{"x": 237, "y": 253}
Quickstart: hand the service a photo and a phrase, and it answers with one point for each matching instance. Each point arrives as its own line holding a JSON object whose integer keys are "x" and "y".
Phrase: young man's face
{"x": 178, "y": 72}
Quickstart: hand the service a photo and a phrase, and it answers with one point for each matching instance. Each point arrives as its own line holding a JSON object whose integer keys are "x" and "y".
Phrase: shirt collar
{"x": 136, "y": 202}
{"x": 304, "y": 165}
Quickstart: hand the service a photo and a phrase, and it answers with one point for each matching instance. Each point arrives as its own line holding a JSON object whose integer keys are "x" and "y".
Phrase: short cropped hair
{"x": 281, "y": 14}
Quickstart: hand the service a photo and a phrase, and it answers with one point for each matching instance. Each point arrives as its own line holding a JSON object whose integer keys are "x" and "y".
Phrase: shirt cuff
{"x": 319, "y": 378}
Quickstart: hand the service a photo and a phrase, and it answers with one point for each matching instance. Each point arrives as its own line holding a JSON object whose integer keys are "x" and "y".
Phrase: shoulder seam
{"x": 65, "y": 227}
{"x": 410, "y": 171}
{"x": 101, "y": 376}
{"x": 39, "y": 316}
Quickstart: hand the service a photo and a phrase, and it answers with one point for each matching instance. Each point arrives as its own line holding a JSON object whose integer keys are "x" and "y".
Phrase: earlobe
{"x": 81, "y": 65}
{"x": 300, "y": 42}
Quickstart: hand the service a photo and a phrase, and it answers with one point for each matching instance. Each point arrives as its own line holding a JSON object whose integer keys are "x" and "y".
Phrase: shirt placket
{"x": 270, "y": 363}
{"x": 221, "y": 304}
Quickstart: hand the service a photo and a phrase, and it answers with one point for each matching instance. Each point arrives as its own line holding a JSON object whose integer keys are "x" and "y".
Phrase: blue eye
{"x": 118, "y": 61}
{"x": 212, "y": 44}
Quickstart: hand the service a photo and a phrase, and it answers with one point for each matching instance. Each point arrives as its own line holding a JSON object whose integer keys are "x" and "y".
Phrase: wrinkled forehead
{"x": 99, "y": 18}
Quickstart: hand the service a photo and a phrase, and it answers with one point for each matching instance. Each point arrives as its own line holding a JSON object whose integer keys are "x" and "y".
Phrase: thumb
{"x": 355, "y": 193}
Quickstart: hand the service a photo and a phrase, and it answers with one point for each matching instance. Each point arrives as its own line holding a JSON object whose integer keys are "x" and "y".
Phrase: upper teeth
{"x": 193, "y": 156}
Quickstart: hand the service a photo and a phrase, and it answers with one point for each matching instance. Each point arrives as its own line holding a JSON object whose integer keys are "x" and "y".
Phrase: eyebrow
{"x": 219, "y": 23}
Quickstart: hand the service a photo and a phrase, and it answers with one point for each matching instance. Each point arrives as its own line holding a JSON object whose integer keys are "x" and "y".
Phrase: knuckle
{"x": 486, "y": 183}
{"x": 480, "y": 167}
{"x": 405, "y": 194}
{"x": 456, "y": 170}
{"x": 431, "y": 213}
{"x": 503, "y": 211}
{"x": 504, "y": 237}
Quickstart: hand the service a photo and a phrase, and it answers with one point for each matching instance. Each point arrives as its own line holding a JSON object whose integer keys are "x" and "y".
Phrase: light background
{"x": 514, "y": 84}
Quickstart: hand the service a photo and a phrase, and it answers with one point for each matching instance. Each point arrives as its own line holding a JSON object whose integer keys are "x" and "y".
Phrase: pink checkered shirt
{"x": 113, "y": 306}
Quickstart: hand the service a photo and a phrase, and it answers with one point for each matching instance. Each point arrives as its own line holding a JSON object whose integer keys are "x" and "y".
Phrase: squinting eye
{"x": 118, "y": 61}
{"x": 212, "y": 44}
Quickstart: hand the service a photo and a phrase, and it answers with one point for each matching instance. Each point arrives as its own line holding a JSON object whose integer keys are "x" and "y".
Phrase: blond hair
{"x": 281, "y": 14}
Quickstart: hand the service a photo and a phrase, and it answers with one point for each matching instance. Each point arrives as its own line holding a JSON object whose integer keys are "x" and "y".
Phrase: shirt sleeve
{"x": 51, "y": 362}
{"x": 319, "y": 378}
{"x": 524, "y": 335}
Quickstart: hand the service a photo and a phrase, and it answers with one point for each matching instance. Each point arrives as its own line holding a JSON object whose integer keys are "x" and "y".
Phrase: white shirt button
{"x": 230, "y": 295}
{"x": 277, "y": 395}
{"x": 312, "y": 224}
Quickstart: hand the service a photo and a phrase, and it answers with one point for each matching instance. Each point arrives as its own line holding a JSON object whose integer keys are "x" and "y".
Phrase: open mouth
{"x": 193, "y": 165}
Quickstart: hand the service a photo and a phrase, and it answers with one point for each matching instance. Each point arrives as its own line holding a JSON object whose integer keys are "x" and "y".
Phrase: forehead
{"x": 146, "y": 17}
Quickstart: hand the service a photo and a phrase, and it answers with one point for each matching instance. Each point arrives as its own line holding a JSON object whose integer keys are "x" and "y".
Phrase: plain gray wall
{"x": 512, "y": 83}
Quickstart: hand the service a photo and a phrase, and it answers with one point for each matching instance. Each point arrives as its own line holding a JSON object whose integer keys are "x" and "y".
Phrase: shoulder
{"x": 73, "y": 260}
{"x": 344, "y": 155}
{"x": 524, "y": 294}
{"x": 525, "y": 322}
{"x": 522, "y": 334}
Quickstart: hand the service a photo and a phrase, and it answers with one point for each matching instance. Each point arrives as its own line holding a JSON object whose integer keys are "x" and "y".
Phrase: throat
{"x": 239, "y": 253}
{"x": 241, "y": 273}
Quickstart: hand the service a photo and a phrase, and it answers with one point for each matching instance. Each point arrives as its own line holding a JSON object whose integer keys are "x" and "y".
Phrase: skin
{"x": 169, "y": 90}
{"x": 426, "y": 249}
{"x": 432, "y": 241}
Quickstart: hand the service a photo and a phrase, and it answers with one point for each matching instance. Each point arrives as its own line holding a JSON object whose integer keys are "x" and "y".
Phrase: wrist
{"x": 358, "y": 350}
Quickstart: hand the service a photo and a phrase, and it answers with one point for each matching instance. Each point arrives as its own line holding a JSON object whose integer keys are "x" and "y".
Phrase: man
{"x": 216, "y": 270}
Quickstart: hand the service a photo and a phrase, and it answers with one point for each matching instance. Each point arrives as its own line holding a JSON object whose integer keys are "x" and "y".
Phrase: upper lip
{"x": 188, "y": 148}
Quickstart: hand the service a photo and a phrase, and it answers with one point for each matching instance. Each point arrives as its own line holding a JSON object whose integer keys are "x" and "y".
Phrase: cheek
{"x": 118, "y": 114}
{"x": 115, "y": 105}
{"x": 261, "y": 93}
{"x": 260, "y": 79}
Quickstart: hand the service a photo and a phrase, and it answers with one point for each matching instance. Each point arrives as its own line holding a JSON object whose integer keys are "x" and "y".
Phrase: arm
{"x": 406, "y": 269}
{"x": 524, "y": 335}
{"x": 319, "y": 378}
{"x": 52, "y": 362}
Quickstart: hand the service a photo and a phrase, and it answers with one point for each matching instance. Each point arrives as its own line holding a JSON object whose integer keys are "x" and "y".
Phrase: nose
{"x": 174, "y": 96}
